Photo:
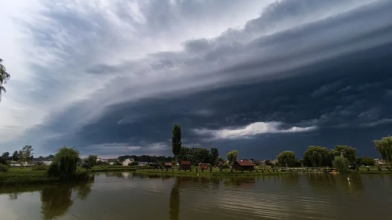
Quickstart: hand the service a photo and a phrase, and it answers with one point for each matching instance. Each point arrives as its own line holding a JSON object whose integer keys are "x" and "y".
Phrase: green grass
{"x": 16, "y": 176}
{"x": 113, "y": 168}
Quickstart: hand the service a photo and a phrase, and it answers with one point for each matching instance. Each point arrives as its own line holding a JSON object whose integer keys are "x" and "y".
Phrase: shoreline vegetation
{"x": 266, "y": 172}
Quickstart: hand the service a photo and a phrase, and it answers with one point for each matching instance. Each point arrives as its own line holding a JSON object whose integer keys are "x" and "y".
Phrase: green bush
{"x": 39, "y": 167}
{"x": 226, "y": 166}
{"x": 3, "y": 168}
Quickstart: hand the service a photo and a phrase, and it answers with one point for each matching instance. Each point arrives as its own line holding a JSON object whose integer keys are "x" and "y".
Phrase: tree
{"x": 367, "y": 161}
{"x": 176, "y": 140}
{"x": 232, "y": 156}
{"x": 15, "y": 156}
{"x": 4, "y": 77}
{"x": 64, "y": 164}
{"x": 6, "y": 155}
{"x": 214, "y": 154}
{"x": 341, "y": 164}
{"x": 384, "y": 146}
{"x": 3, "y": 161}
{"x": 286, "y": 158}
{"x": 349, "y": 152}
{"x": 200, "y": 155}
{"x": 26, "y": 153}
{"x": 92, "y": 160}
{"x": 317, "y": 156}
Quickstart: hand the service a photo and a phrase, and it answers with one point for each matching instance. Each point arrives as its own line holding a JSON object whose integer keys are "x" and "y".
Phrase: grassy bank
{"x": 27, "y": 176}
{"x": 226, "y": 173}
{"x": 113, "y": 168}
{"x": 214, "y": 173}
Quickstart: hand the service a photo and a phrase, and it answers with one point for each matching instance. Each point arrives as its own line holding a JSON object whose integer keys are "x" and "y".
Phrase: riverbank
{"x": 113, "y": 168}
{"x": 228, "y": 173}
{"x": 27, "y": 176}
{"x": 214, "y": 173}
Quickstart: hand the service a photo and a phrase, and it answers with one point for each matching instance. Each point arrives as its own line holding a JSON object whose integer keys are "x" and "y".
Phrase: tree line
{"x": 317, "y": 156}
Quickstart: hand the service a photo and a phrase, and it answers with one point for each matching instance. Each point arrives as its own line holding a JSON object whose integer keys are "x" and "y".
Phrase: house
{"x": 154, "y": 165}
{"x": 379, "y": 162}
{"x": 127, "y": 162}
{"x": 204, "y": 166}
{"x": 185, "y": 165}
{"x": 112, "y": 161}
{"x": 168, "y": 165}
{"x": 243, "y": 165}
{"x": 143, "y": 163}
{"x": 102, "y": 160}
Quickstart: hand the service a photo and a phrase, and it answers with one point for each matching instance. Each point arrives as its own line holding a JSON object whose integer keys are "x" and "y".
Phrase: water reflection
{"x": 56, "y": 200}
{"x": 174, "y": 209}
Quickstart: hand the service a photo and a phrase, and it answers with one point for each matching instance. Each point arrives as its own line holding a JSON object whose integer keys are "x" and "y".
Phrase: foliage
{"x": 195, "y": 155}
{"x": 3, "y": 168}
{"x": 225, "y": 166}
{"x": 64, "y": 164}
{"x": 6, "y": 155}
{"x": 286, "y": 158}
{"x": 176, "y": 140}
{"x": 220, "y": 159}
{"x": 39, "y": 167}
{"x": 92, "y": 160}
{"x": 367, "y": 161}
{"x": 26, "y": 154}
{"x": 15, "y": 156}
{"x": 341, "y": 164}
{"x": 232, "y": 156}
{"x": 4, "y": 77}
{"x": 214, "y": 154}
{"x": 317, "y": 156}
{"x": 349, "y": 152}
{"x": 384, "y": 146}
{"x": 268, "y": 163}
{"x": 3, "y": 161}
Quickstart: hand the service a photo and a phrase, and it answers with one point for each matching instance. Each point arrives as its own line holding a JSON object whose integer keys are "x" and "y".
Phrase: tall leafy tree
{"x": 6, "y": 155}
{"x": 214, "y": 154}
{"x": 349, "y": 152}
{"x": 286, "y": 158}
{"x": 317, "y": 156}
{"x": 4, "y": 77}
{"x": 232, "y": 156}
{"x": 92, "y": 160}
{"x": 176, "y": 140}
{"x": 15, "y": 156}
{"x": 64, "y": 164}
{"x": 26, "y": 154}
{"x": 384, "y": 146}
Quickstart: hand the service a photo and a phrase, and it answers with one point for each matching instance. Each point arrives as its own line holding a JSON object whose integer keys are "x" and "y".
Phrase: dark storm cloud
{"x": 331, "y": 73}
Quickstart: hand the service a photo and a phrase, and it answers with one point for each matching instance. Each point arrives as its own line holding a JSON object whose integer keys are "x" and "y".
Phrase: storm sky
{"x": 112, "y": 77}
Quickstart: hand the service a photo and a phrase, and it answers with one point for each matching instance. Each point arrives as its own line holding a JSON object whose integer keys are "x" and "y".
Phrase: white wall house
{"x": 127, "y": 161}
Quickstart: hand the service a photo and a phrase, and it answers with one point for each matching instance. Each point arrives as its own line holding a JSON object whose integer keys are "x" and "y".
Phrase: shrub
{"x": 39, "y": 167}
{"x": 226, "y": 166}
{"x": 3, "y": 168}
{"x": 341, "y": 164}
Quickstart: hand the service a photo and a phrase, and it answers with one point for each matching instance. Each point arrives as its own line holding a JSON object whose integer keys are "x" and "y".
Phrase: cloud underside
{"x": 289, "y": 73}
{"x": 252, "y": 130}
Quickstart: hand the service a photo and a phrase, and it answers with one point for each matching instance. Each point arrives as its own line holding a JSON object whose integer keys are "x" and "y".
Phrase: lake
{"x": 134, "y": 196}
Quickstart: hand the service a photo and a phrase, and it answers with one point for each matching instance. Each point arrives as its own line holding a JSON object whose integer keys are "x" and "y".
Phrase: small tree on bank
{"x": 92, "y": 160}
{"x": 286, "y": 158}
{"x": 341, "y": 164}
{"x": 232, "y": 156}
{"x": 176, "y": 140}
{"x": 64, "y": 164}
{"x": 384, "y": 146}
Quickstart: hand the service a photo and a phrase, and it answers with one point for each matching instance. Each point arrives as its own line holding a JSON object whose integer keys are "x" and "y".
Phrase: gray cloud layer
{"x": 300, "y": 64}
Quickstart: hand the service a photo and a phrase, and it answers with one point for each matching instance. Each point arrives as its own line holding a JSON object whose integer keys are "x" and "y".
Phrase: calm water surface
{"x": 131, "y": 196}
